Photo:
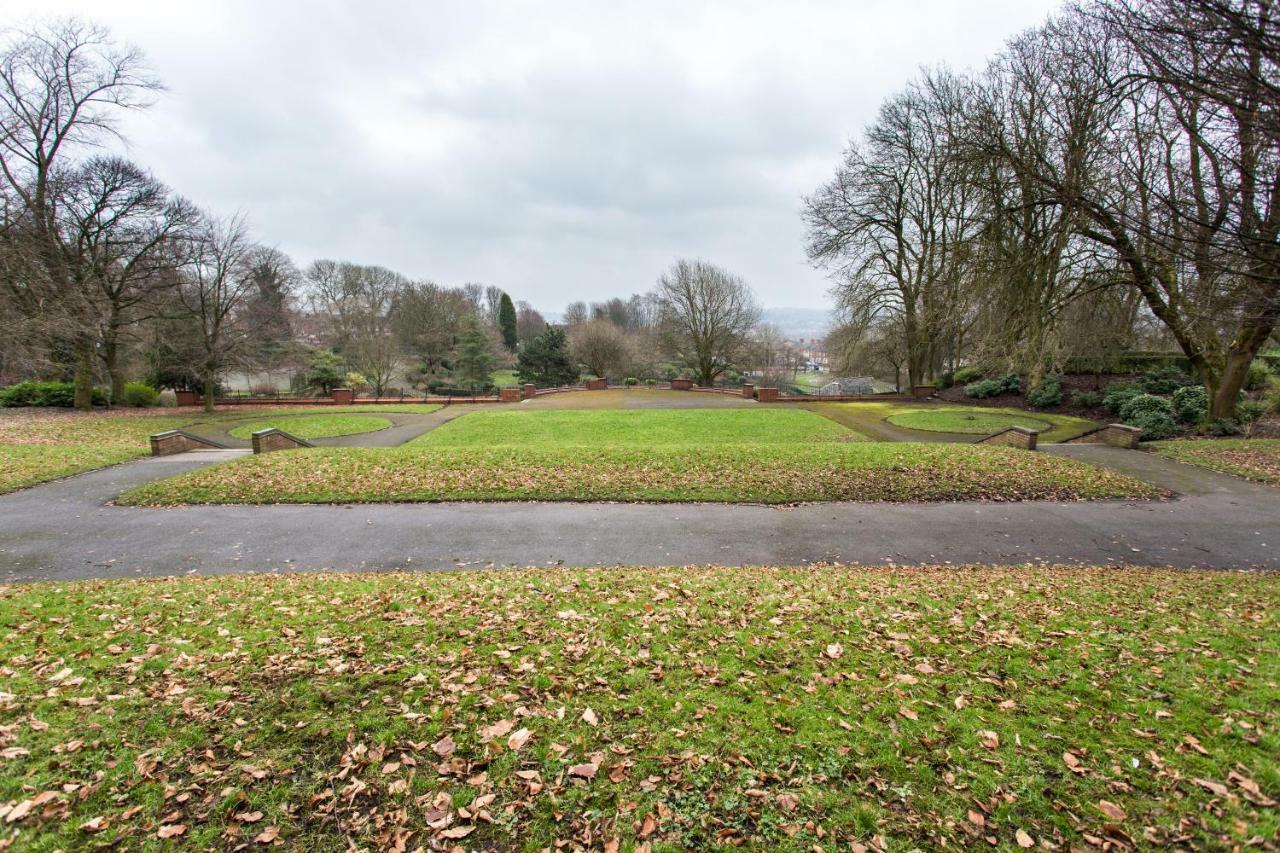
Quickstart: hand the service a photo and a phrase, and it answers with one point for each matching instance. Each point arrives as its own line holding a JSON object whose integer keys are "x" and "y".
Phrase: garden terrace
{"x": 779, "y": 456}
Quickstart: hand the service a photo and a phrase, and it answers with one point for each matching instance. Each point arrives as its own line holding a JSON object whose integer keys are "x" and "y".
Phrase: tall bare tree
{"x": 214, "y": 292}
{"x": 707, "y": 313}
{"x": 63, "y": 86}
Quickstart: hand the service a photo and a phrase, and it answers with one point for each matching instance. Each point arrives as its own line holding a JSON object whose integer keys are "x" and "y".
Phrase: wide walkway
{"x": 68, "y": 529}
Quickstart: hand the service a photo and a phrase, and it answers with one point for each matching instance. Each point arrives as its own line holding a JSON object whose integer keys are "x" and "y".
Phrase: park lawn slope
{"x": 1252, "y": 458}
{"x": 958, "y": 419}
{"x": 862, "y": 471}
{"x": 38, "y": 445}
{"x": 637, "y": 428}
{"x": 315, "y": 426}
{"x": 686, "y": 707}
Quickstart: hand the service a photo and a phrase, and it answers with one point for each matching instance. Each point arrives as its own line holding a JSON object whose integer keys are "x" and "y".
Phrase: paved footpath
{"x": 68, "y": 529}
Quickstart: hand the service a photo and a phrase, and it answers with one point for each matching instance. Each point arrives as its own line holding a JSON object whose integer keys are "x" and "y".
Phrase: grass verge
{"x": 637, "y": 428}
{"x": 41, "y": 445}
{"x": 871, "y": 417}
{"x": 315, "y": 426}
{"x": 1252, "y": 458}
{"x": 780, "y": 708}
{"x": 862, "y": 471}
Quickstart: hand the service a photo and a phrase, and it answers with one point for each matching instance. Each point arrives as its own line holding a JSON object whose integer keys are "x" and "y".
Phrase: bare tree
{"x": 118, "y": 228}
{"x": 707, "y": 313}
{"x": 215, "y": 289}
{"x": 576, "y": 313}
{"x": 529, "y": 323}
{"x": 429, "y": 321}
{"x": 62, "y": 86}
{"x": 357, "y": 303}
{"x": 600, "y": 346}
{"x": 895, "y": 223}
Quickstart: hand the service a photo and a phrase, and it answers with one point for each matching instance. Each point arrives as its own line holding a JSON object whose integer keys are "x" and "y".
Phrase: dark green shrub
{"x": 59, "y": 394}
{"x": 1086, "y": 399}
{"x": 1118, "y": 394}
{"x": 1047, "y": 395}
{"x": 965, "y": 375}
{"x": 984, "y": 388}
{"x": 1011, "y": 384}
{"x": 1250, "y": 410}
{"x": 1154, "y": 425}
{"x": 326, "y": 371}
{"x": 945, "y": 381}
{"x": 631, "y": 380}
{"x": 1225, "y": 426}
{"x": 140, "y": 395}
{"x": 1258, "y": 376}
{"x": 1144, "y": 404}
{"x": 1163, "y": 380}
{"x": 1191, "y": 404}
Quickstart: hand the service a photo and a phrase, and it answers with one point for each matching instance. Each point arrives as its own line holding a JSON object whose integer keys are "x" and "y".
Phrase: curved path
{"x": 69, "y": 530}
{"x": 405, "y": 426}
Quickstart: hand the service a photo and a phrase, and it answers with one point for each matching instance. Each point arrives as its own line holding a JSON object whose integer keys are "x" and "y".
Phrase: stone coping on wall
{"x": 180, "y": 441}
{"x": 1021, "y": 437}
{"x": 1115, "y": 435}
{"x": 272, "y": 438}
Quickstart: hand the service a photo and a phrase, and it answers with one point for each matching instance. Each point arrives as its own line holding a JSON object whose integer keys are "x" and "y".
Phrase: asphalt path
{"x": 70, "y": 530}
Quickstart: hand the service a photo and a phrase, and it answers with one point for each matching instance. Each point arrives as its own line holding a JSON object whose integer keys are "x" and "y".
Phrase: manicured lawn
{"x": 778, "y": 708}
{"x": 315, "y": 426}
{"x": 41, "y": 445}
{"x": 505, "y": 379}
{"x": 975, "y": 421}
{"x": 943, "y": 418}
{"x": 1252, "y": 458}
{"x": 636, "y": 428}
{"x": 749, "y": 473}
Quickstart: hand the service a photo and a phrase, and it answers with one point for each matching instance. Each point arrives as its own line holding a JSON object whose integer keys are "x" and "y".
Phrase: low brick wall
{"x": 767, "y": 395}
{"x": 923, "y": 392}
{"x": 748, "y": 391}
{"x": 267, "y": 440}
{"x": 596, "y": 384}
{"x": 681, "y": 384}
{"x": 1115, "y": 435}
{"x": 510, "y": 395}
{"x": 178, "y": 441}
{"x": 187, "y": 398}
{"x": 1014, "y": 436}
{"x": 343, "y": 396}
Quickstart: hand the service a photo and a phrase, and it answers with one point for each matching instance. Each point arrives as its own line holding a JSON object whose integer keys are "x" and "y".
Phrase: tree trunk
{"x": 111, "y": 359}
{"x": 84, "y": 373}
{"x": 208, "y": 391}
{"x": 1224, "y": 395}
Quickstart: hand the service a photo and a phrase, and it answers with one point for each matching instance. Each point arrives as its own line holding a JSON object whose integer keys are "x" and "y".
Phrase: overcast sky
{"x": 559, "y": 150}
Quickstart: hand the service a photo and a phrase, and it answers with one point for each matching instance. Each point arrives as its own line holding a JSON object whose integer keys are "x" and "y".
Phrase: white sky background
{"x": 560, "y": 150}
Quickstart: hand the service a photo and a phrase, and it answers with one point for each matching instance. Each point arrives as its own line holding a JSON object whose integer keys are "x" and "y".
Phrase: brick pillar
{"x": 681, "y": 384}
{"x": 748, "y": 390}
{"x": 530, "y": 390}
{"x": 187, "y": 398}
{"x": 343, "y": 396}
{"x": 597, "y": 384}
{"x": 767, "y": 395}
{"x": 509, "y": 395}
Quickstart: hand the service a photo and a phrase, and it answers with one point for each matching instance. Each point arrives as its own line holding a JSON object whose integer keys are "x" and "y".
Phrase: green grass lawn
{"x": 637, "y": 428}
{"x": 1252, "y": 458}
{"x": 862, "y": 471}
{"x": 505, "y": 379}
{"x": 315, "y": 426}
{"x": 37, "y": 446}
{"x": 956, "y": 419}
{"x": 972, "y": 421}
{"x": 776, "y": 708}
